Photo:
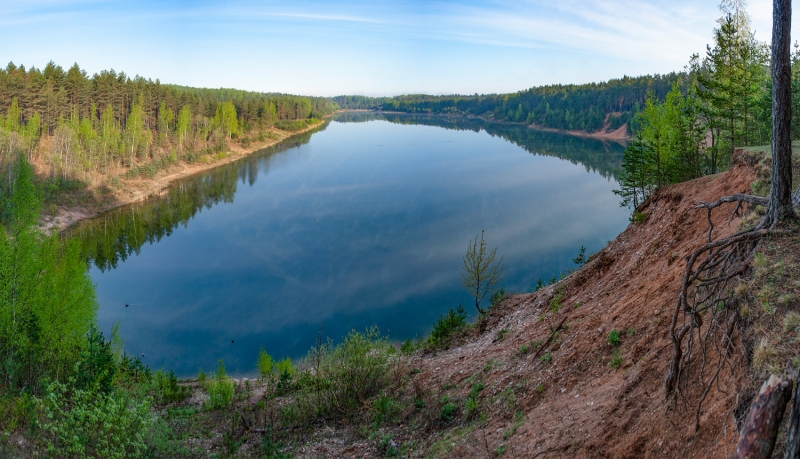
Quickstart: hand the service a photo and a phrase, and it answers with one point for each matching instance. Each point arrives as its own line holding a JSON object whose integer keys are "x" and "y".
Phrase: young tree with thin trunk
{"x": 482, "y": 272}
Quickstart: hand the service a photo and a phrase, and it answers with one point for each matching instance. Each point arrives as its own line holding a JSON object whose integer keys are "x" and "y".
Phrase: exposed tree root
{"x": 705, "y": 315}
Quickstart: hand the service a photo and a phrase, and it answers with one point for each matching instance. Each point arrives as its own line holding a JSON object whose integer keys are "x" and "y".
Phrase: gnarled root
{"x": 704, "y": 318}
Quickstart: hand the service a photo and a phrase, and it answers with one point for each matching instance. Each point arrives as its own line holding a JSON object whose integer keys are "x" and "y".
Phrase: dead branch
{"x": 793, "y": 435}
{"x": 553, "y": 333}
{"x": 757, "y": 439}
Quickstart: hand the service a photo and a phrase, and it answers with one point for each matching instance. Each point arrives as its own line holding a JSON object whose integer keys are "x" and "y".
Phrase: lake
{"x": 362, "y": 222}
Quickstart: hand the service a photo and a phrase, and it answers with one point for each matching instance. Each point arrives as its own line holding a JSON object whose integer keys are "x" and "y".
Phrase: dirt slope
{"x": 578, "y": 405}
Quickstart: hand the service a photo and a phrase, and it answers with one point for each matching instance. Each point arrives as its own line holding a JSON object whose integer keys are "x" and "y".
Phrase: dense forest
{"x": 695, "y": 129}
{"x": 74, "y": 126}
{"x": 587, "y": 107}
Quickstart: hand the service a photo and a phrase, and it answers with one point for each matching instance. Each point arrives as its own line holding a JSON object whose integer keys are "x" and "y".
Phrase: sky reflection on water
{"x": 365, "y": 223}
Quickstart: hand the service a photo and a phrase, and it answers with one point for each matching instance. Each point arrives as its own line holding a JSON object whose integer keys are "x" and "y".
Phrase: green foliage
{"x": 567, "y": 107}
{"x": 350, "y": 373}
{"x": 638, "y": 217}
{"x": 613, "y": 338}
{"x": 93, "y": 124}
{"x": 47, "y": 296}
{"x": 285, "y": 366}
{"x": 448, "y": 410}
{"x": 547, "y": 357}
{"x": 385, "y": 409}
{"x": 265, "y": 364}
{"x": 271, "y": 447}
{"x": 168, "y": 389}
{"x": 408, "y": 346}
{"x": 80, "y": 423}
{"x": 482, "y": 272}
{"x": 580, "y": 260}
{"x": 220, "y": 389}
{"x": 498, "y": 297}
{"x": 447, "y": 325}
{"x": 97, "y": 366}
{"x": 387, "y": 446}
{"x": 616, "y": 360}
{"x": 226, "y": 118}
{"x": 556, "y": 301}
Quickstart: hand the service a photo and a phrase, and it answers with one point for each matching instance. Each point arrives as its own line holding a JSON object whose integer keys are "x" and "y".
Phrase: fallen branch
{"x": 757, "y": 439}
{"x": 553, "y": 333}
{"x": 793, "y": 435}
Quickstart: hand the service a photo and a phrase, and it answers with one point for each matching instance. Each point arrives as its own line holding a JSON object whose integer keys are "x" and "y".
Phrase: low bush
{"x": 447, "y": 325}
{"x": 77, "y": 423}
{"x": 220, "y": 389}
{"x": 167, "y": 388}
{"x": 349, "y": 374}
{"x": 613, "y": 338}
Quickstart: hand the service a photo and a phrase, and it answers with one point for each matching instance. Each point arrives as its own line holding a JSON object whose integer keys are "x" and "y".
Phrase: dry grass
{"x": 764, "y": 355}
{"x": 791, "y": 321}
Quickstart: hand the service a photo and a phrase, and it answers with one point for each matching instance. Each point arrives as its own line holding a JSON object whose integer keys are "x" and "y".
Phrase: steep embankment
{"x": 577, "y": 404}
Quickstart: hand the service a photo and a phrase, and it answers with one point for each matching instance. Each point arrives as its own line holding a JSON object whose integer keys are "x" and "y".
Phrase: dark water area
{"x": 362, "y": 222}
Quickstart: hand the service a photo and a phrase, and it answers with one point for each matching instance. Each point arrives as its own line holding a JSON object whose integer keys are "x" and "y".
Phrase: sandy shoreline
{"x": 141, "y": 189}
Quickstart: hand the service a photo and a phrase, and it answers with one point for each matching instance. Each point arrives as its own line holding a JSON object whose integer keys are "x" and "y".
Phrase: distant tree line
{"x": 695, "y": 129}
{"x": 587, "y": 107}
{"x": 75, "y": 125}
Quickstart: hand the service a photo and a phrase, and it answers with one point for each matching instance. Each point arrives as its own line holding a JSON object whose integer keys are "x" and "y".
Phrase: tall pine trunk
{"x": 780, "y": 198}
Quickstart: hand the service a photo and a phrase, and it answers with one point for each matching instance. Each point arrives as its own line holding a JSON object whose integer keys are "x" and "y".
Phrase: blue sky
{"x": 373, "y": 47}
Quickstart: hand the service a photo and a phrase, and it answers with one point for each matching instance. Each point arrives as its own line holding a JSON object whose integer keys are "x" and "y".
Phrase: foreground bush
{"x": 349, "y": 374}
{"x": 78, "y": 423}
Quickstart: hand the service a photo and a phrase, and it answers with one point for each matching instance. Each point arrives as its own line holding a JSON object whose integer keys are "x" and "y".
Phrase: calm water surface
{"x": 363, "y": 222}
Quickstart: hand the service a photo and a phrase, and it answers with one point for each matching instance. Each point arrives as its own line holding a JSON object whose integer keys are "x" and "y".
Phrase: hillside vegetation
{"x": 100, "y": 130}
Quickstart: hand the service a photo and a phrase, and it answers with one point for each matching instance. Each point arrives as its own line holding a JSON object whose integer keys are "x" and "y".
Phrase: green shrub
{"x": 616, "y": 361}
{"x": 97, "y": 367}
{"x": 547, "y": 357}
{"x": 168, "y": 389}
{"x": 352, "y": 372}
{"x": 220, "y": 389}
{"x": 447, "y": 325}
{"x": 80, "y": 423}
{"x": 285, "y": 367}
{"x": 498, "y": 297}
{"x": 638, "y": 217}
{"x": 408, "y": 347}
{"x": 265, "y": 364}
{"x": 613, "y": 337}
{"x": 387, "y": 446}
{"x": 470, "y": 407}
{"x": 448, "y": 409}
{"x": 501, "y": 334}
{"x": 385, "y": 409}
{"x": 555, "y": 302}
{"x": 291, "y": 125}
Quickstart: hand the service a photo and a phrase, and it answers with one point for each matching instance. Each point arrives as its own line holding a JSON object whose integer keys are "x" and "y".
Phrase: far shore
{"x": 66, "y": 217}
{"x": 619, "y": 135}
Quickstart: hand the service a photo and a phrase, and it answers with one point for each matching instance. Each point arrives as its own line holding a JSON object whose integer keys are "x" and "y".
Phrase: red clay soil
{"x": 577, "y": 405}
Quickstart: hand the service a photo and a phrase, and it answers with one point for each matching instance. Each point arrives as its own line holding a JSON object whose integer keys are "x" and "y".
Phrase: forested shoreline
{"x": 99, "y": 130}
{"x": 587, "y": 107}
